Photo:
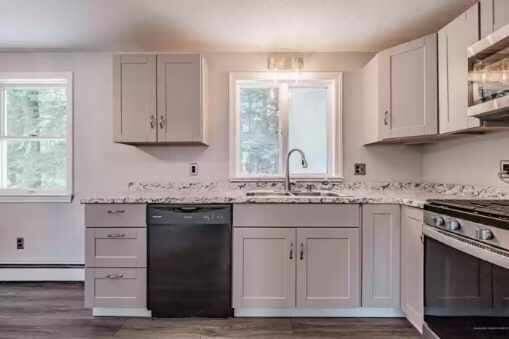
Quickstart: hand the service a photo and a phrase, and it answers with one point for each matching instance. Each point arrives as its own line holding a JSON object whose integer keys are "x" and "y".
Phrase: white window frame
{"x": 333, "y": 81}
{"x": 38, "y": 79}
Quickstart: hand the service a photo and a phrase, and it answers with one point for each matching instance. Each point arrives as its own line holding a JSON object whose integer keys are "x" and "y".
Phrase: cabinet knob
{"x": 152, "y": 122}
{"x": 386, "y": 118}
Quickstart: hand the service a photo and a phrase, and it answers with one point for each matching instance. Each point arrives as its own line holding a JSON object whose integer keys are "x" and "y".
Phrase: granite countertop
{"x": 409, "y": 194}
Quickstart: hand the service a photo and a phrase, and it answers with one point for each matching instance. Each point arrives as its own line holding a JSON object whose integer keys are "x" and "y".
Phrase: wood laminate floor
{"x": 55, "y": 310}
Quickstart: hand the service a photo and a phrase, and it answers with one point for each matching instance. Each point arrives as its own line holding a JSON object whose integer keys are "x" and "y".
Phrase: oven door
{"x": 466, "y": 287}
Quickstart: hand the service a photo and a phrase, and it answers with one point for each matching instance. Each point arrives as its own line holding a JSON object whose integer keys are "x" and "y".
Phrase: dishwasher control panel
{"x": 188, "y": 214}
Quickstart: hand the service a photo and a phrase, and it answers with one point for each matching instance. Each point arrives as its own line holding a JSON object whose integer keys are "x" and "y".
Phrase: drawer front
{"x": 296, "y": 215}
{"x": 115, "y": 287}
{"x": 116, "y": 247}
{"x": 115, "y": 215}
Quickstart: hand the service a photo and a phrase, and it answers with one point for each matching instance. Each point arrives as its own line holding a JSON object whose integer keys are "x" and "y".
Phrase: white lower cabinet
{"x": 381, "y": 232}
{"x": 328, "y": 267}
{"x": 264, "y": 267}
{"x": 412, "y": 266}
{"x": 296, "y": 267}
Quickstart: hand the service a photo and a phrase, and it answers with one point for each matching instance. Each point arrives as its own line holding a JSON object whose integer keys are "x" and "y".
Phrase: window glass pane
{"x": 259, "y": 131}
{"x": 38, "y": 165}
{"x": 307, "y": 129}
{"x": 36, "y": 111}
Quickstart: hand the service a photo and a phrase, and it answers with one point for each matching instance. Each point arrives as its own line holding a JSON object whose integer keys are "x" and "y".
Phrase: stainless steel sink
{"x": 301, "y": 194}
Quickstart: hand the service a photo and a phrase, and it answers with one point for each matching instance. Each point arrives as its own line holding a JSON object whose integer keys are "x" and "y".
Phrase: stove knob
{"x": 484, "y": 234}
{"x": 453, "y": 225}
{"x": 438, "y": 221}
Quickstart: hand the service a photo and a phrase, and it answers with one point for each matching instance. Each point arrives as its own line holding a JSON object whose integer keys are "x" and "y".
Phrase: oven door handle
{"x": 471, "y": 247}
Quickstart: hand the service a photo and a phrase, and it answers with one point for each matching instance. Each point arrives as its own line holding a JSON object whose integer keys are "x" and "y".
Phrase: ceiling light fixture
{"x": 285, "y": 62}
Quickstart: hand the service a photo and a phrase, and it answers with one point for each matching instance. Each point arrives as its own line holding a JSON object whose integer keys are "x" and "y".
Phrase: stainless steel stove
{"x": 466, "y": 283}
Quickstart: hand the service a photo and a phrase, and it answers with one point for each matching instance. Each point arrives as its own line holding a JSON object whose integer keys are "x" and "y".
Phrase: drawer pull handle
{"x": 116, "y": 211}
{"x": 301, "y": 251}
{"x": 115, "y": 276}
{"x": 116, "y": 235}
{"x": 291, "y": 251}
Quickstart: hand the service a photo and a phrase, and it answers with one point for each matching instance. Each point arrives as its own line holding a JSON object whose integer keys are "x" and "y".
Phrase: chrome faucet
{"x": 304, "y": 165}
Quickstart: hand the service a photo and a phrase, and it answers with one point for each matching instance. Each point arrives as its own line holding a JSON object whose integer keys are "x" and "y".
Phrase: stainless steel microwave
{"x": 488, "y": 76}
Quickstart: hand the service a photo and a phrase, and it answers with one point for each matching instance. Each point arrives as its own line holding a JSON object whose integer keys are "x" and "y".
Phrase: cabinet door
{"x": 410, "y": 92}
{"x": 412, "y": 266}
{"x": 264, "y": 267}
{"x": 453, "y": 41}
{"x": 494, "y": 15}
{"x": 180, "y": 95}
{"x": 328, "y": 267}
{"x": 134, "y": 98}
{"x": 381, "y": 255}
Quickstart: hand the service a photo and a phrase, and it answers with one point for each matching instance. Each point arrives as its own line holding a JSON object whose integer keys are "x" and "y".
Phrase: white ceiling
{"x": 220, "y": 25}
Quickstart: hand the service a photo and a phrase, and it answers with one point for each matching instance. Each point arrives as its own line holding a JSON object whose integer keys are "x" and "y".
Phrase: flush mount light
{"x": 285, "y": 62}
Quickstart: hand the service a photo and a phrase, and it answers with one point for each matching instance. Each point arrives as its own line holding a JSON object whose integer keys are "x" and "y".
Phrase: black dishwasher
{"x": 189, "y": 260}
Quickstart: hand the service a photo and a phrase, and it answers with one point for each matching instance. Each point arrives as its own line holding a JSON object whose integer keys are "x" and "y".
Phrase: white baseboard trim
{"x": 316, "y": 312}
{"x": 42, "y": 274}
{"x": 121, "y": 312}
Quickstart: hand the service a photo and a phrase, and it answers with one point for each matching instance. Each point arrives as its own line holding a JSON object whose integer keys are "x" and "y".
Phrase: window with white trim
{"x": 272, "y": 113}
{"x": 35, "y": 136}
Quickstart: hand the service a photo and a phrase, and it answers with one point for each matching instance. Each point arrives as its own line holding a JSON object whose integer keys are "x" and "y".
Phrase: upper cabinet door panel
{"x": 413, "y": 81}
{"x": 454, "y": 39}
{"x": 328, "y": 267}
{"x": 134, "y": 97}
{"x": 180, "y": 93}
{"x": 494, "y": 15}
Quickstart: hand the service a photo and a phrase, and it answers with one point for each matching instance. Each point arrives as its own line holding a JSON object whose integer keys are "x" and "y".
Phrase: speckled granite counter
{"x": 409, "y": 194}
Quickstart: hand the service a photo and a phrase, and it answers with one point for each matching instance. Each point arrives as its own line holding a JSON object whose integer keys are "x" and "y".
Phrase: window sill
{"x": 293, "y": 179}
{"x": 35, "y": 198}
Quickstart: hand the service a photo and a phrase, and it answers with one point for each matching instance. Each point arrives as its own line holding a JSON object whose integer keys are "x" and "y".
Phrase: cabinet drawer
{"x": 115, "y": 215}
{"x": 116, "y": 247}
{"x": 296, "y": 215}
{"x": 115, "y": 287}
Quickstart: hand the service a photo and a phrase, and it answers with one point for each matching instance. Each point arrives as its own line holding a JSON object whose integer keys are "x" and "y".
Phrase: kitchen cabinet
{"x": 264, "y": 267}
{"x": 453, "y": 41}
{"x": 494, "y": 15}
{"x": 328, "y": 267}
{"x": 400, "y": 91}
{"x": 181, "y": 106}
{"x": 296, "y": 267}
{"x": 134, "y": 98}
{"x": 159, "y": 99}
{"x": 412, "y": 266}
{"x": 116, "y": 259}
{"x": 381, "y": 238}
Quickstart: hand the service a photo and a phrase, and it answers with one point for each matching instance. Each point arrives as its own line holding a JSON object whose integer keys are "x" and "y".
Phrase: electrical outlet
{"x": 504, "y": 169}
{"x": 193, "y": 169}
{"x": 20, "y": 243}
{"x": 359, "y": 169}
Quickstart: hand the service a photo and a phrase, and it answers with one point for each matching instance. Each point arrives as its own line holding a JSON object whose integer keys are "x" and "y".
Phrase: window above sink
{"x": 272, "y": 112}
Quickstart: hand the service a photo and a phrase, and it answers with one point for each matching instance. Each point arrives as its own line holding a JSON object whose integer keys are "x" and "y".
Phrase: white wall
{"x": 54, "y": 232}
{"x": 468, "y": 160}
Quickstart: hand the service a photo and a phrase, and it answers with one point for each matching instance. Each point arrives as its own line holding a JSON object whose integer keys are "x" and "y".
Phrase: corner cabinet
{"x": 494, "y": 15}
{"x": 287, "y": 265}
{"x": 453, "y": 41}
{"x": 400, "y": 91}
{"x": 412, "y": 266}
{"x": 159, "y": 99}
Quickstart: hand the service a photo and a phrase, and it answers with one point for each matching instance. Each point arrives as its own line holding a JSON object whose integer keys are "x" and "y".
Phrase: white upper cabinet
{"x": 400, "y": 91}
{"x": 134, "y": 93}
{"x": 494, "y": 14}
{"x": 159, "y": 98}
{"x": 180, "y": 98}
{"x": 453, "y": 41}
